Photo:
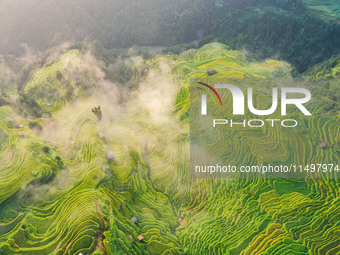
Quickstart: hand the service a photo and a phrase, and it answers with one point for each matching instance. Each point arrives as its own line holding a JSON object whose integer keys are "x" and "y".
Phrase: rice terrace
{"x": 96, "y": 135}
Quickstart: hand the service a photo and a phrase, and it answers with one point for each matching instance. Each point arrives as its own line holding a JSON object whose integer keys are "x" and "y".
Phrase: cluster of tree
{"x": 29, "y": 105}
{"x": 284, "y": 27}
{"x": 3, "y": 99}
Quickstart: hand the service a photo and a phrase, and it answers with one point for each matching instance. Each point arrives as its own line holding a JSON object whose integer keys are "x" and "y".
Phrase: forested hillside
{"x": 283, "y": 28}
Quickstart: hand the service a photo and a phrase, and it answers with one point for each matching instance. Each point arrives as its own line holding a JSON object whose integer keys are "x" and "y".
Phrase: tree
{"x": 34, "y": 124}
{"x": 46, "y": 149}
{"x": 59, "y": 75}
{"x": 97, "y": 111}
{"x": 58, "y": 159}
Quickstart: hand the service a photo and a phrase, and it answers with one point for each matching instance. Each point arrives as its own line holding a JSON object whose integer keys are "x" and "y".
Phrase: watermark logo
{"x": 239, "y": 99}
{"x": 238, "y": 104}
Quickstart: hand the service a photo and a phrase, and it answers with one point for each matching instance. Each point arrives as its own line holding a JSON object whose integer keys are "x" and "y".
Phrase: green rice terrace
{"x": 92, "y": 165}
{"x": 328, "y": 10}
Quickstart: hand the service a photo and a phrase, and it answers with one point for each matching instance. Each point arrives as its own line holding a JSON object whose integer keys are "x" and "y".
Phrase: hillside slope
{"x": 75, "y": 182}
